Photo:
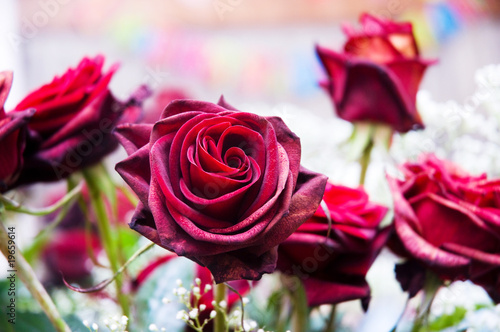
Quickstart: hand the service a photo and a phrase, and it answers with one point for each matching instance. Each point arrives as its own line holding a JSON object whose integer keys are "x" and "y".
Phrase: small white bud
{"x": 246, "y": 300}
{"x": 181, "y": 291}
{"x": 179, "y": 282}
{"x": 113, "y": 327}
{"x": 165, "y": 300}
{"x": 153, "y": 327}
{"x": 203, "y": 307}
{"x": 181, "y": 315}
{"x": 260, "y": 330}
{"x": 124, "y": 320}
{"x": 214, "y": 303}
{"x": 193, "y": 313}
{"x": 95, "y": 326}
{"x": 197, "y": 281}
{"x": 213, "y": 313}
{"x": 208, "y": 288}
{"x": 86, "y": 323}
{"x": 223, "y": 304}
{"x": 196, "y": 290}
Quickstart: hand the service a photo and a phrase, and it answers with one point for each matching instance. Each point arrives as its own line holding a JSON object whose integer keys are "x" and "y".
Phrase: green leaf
{"x": 38, "y": 322}
{"x": 445, "y": 321}
{"x": 127, "y": 239}
{"x": 148, "y": 302}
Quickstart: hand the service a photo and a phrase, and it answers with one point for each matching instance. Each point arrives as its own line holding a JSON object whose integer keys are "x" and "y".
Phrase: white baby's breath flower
{"x": 193, "y": 313}
{"x": 124, "y": 320}
{"x": 223, "y": 304}
{"x": 245, "y": 300}
{"x": 197, "y": 281}
{"x": 196, "y": 290}
{"x": 86, "y": 323}
{"x": 182, "y": 314}
{"x": 179, "y": 282}
{"x": 153, "y": 327}
{"x": 165, "y": 300}
{"x": 203, "y": 307}
{"x": 181, "y": 291}
{"x": 113, "y": 327}
{"x": 208, "y": 288}
{"x": 95, "y": 326}
{"x": 213, "y": 313}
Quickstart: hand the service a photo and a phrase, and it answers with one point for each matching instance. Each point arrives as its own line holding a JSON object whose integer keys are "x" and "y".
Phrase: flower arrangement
{"x": 218, "y": 220}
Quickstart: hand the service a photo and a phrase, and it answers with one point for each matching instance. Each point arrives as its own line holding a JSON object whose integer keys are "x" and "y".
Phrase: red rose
{"x": 12, "y": 136}
{"x": 75, "y": 115}
{"x": 377, "y": 76}
{"x": 332, "y": 260}
{"x": 449, "y": 222}
{"x": 219, "y": 186}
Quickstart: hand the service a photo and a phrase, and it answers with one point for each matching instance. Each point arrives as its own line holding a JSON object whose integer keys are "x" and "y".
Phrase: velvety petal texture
{"x": 75, "y": 115}
{"x": 449, "y": 222}
{"x": 377, "y": 75}
{"x": 219, "y": 186}
{"x": 333, "y": 259}
{"x": 13, "y": 127}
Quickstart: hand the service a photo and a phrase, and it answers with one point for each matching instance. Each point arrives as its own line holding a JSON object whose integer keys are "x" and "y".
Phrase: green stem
{"x": 431, "y": 287}
{"x": 105, "y": 232}
{"x": 365, "y": 161}
{"x": 220, "y": 318}
{"x": 297, "y": 294}
{"x": 330, "y": 324}
{"x": 28, "y": 277}
{"x": 11, "y": 205}
{"x": 44, "y": 236}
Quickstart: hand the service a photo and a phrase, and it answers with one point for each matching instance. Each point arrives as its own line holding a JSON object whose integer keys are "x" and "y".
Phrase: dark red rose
{"x": 376, "y": 77}
{"x": 332, "y": 260}
{"x": 12, "y": 136}
{"x": 75, "y": 115}
{"x": 67, "y": 255}
{"x": 447, "y": 221}
{"x": 219, "y": 186}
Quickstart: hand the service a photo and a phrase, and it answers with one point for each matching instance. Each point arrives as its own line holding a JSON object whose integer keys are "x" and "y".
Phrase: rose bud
{"x": 376, "y": 77}
{"x": 219, "y": 186}
{"x": 332, "y": 259}
{"x": 75, "y": 115}
{"x": 448, "y": 222}
{"x": 12, "y": 136}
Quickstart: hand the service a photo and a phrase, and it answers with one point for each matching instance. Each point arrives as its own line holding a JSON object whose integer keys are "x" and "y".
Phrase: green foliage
{"x": 446, "y": 321}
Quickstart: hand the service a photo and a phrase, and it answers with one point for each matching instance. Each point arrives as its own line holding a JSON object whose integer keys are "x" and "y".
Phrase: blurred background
{"x": 247, "y": 50}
